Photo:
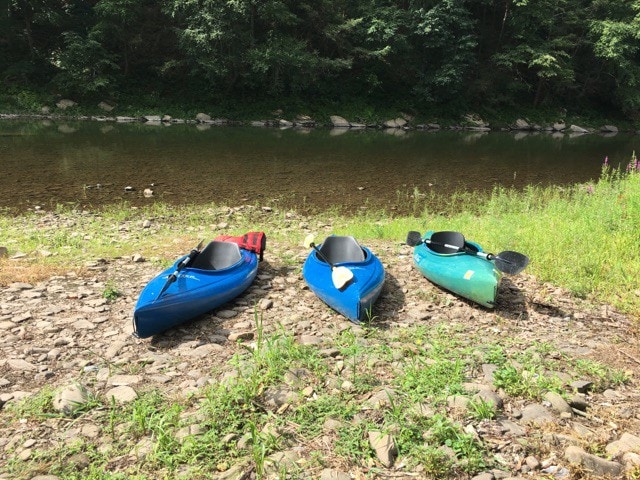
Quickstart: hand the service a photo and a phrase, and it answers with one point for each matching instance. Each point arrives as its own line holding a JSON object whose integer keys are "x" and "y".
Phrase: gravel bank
{"x": 62, "y": 332}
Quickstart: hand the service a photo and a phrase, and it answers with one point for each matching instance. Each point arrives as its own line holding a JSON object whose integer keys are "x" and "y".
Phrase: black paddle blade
{"x": 414, "y": 239}
{"x": 510, "y": 262}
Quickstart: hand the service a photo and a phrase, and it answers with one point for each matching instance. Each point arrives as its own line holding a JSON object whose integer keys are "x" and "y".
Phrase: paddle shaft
{"x": 517, "y": 263}
{"x": 322, "y": 255}
{"x": 486, "y": 256}
{"x": 173, "y": 276}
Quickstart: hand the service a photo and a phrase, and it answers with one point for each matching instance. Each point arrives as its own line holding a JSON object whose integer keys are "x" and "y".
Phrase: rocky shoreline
{"x": 65, "y": 334}
{"x": 470, "y": 122}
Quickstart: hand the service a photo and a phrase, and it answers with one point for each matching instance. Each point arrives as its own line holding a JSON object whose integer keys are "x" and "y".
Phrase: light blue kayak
{"x": 470, "y": 276}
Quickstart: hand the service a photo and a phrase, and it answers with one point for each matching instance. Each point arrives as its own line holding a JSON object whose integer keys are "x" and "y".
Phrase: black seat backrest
{"x": 455, "y": 239}
{"x": 217, "y": 255}
{"x": 339, "y": 249}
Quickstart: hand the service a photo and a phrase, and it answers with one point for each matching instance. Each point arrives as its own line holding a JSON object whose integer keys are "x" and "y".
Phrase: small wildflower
{"x": 589, "y": 189}
{"x": 606, "y": 161}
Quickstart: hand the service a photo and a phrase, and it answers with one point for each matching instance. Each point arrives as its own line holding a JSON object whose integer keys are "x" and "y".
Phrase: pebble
{"x": 63, "y": 328}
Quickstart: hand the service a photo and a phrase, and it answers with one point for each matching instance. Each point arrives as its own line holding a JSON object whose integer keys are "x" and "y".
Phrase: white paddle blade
{"x": 308, "y": 240}
{"x": 341, "y": 276}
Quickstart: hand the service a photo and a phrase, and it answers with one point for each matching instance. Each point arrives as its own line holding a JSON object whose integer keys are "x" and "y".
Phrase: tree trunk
{"x": 540, "y": 92}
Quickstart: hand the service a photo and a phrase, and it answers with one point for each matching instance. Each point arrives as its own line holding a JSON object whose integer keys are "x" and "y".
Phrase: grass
{"x": 583, "y": 238}
{"x": 230, "y": 423}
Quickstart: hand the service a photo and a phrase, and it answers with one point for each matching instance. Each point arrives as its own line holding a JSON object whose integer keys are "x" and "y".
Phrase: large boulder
{"x": 395, "y": 123}
{"x": 339, "y": 122}
{"x": 65, "y": 103}
{"x": 107, "y": 107}
{"x": 522, "y": 124}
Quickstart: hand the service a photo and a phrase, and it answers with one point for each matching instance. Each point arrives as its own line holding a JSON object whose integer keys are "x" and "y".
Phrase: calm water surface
{"x": 90, "y": 164}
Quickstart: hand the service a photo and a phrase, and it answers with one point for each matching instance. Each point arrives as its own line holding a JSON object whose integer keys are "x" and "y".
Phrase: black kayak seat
{"x": 455, "y": 239}
{"x": 217, "y": 255}
{"x": 340, "y": 249}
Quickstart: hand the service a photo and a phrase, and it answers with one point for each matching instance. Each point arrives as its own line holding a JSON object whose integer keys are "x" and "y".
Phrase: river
{"x": 90, "y": 164}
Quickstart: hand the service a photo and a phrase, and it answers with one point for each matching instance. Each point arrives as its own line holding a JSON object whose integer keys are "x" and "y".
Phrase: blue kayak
{"x": 216, "y": 275}
{"x": 355, "y": 299}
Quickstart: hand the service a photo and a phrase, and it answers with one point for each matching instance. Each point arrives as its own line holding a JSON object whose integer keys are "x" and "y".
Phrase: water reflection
{"x": 45, "y": 163}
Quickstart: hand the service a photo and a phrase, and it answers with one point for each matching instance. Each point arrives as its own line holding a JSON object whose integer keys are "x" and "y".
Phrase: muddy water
{"x": 91, "y": 164}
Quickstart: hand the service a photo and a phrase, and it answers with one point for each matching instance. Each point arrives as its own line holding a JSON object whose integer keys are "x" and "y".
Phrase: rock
{"x": 226, "y": 314}
{"x": 631, "y": 461}
{"x": 577, "y": 129}
{"x": 282, "y": 461}
{"x": 339, "y": 122}
{"x": 107, "y": 107}
{"x": 591, "y": 463}
{"x": 70, "y": 398}
{"x": 522, "y": 124}
{"x": 237, "y": 472}
{"x": 625, "y": 444}
{"x": 558, "y": 403}
{"x": 265, "y": 304}
{"x": 483, "y": 476}
{"x": 458, "y": 402}
{"x": 489, "y": 396}
{"x": 384, "y": 446}
{"x": 559, "y": 126}
{"x": 21, "y": 365}
{"x": 488, "y": 369}
{"x": 122, "y": 394}
{"x": 65, "y": 103}
{"x": 203, "y": 117}
{"x": 118, "y": 380}
{"x": 395, "y": 123}
{"x": 536, "y": 414}
{"x": 582, "y": 386}
{"x": 475, "y": 120}
{"x": 609, "y": 129}
{"x": 152, "y": 118}
{"x": 330, "y": 474}
{"x": 579, "y": 402}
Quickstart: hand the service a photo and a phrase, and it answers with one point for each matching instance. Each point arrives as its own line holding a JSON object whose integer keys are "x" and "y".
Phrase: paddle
{"x": 508, "y": 262}
{"x": 340, "y": 276}
{"x": 174, "y": 275}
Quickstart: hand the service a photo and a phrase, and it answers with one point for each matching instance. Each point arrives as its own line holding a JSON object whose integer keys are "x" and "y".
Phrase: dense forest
{"x": 454, "y": 53}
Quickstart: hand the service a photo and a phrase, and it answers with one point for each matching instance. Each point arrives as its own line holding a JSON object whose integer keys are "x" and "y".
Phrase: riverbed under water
{"x": 91, "y": 164}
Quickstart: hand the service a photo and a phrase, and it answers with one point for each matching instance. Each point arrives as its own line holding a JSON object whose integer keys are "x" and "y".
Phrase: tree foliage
{"x": 423, "y": 52}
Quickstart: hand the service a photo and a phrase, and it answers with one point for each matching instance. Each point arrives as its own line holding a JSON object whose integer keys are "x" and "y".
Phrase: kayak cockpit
{"x": 342, "y": 249}
{"x": 447, "y": 242}
{"x": 217, "y": 256}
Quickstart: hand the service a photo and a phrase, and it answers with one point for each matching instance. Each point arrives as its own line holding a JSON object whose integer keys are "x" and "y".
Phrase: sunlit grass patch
{"x": 582, "y": 237}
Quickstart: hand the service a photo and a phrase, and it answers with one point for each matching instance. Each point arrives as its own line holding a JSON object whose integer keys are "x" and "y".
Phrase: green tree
{"x": 538, "y": 43}
{"x": 446, "y": 44}
{"x": 278, "y": 47}
{"x": 28, "y": 34}
{"x": 85, "y": 66}
{"x": 616, "y": 34}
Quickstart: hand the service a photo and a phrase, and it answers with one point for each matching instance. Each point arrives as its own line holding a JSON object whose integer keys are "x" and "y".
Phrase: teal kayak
{"x": 469, "y": 276}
